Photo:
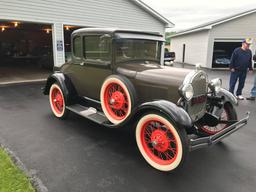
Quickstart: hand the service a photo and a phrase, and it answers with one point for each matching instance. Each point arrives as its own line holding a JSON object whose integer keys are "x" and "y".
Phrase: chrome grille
{"x": 196, "y": 107}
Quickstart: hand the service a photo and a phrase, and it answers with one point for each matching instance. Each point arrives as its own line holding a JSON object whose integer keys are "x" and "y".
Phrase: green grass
{"x": 12, "y": 179}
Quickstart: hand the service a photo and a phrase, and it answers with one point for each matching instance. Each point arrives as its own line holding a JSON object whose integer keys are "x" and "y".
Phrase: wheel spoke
{"x": 158, "y": 125}
{"x": 148, "y": 140}
{"x": 109, "y": 94}
{"x": 152, "y": 128}
{"x": 171, "y": 140}
{"x": 122, "y": 112}
{"x": 117, "y": 113}
{"x": 159, "y": 154}
{"x": 148, "y": 132}
{"x": 172, "y": 149}
{"x": 116, "y": 87}
{"x": 124, "y": 109}
{"x": 168, "y": 156}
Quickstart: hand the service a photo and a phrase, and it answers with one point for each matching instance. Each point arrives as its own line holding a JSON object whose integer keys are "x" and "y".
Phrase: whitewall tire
{"x": 57, "y": 101}
{"x": 116, "y": 99}
{"x": 161, "y": 144}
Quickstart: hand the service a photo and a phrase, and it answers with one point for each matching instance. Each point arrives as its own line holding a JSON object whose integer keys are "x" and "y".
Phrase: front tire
{"x": 228, "y": 114}
{"x": 117, "y": 99}
{"x": 57, "y": 101}
{"x": 161, "y": 143}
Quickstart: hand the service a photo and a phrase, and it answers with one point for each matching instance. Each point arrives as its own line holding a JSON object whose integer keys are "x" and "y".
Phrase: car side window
{"x": 97, "y": 48}
{"x": 77, "y": 47}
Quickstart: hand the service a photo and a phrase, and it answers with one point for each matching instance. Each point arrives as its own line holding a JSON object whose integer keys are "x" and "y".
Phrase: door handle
{"x": 82, "y": 63}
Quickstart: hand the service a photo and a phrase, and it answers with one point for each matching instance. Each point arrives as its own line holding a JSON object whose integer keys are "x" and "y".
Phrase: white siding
{"x": 103, "y": 13}
{"x": 196, "y": 48}
{"x": 88, "y": 13}
{"x": 237, "y": 29}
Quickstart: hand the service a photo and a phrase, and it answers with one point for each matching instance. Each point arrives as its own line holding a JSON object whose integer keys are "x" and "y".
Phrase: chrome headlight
{"x": 215, "y": 85}
{"x": 187, "y": 91}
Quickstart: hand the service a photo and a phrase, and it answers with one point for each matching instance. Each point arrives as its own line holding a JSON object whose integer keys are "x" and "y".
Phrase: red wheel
{"x": 115, "y": 100}
{"x": 227, "y": 114}
{"x": 57, "y": 101}
{"x": 213, "y": 130}
{"x": 160, "y": 143}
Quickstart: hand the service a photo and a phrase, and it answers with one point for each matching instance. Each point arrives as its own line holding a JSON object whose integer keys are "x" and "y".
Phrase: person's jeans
{"x": 253, "y": 91}
{"x": 237, "y": 75}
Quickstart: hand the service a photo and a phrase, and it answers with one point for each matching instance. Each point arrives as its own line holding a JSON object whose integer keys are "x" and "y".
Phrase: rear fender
{"x": 65, "y": 84}
{"x": 177, "y": 114}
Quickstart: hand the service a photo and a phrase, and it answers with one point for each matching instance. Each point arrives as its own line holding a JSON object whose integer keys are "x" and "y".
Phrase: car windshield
{"x": 222, "y": 57}
{"x": 137, "y": 49}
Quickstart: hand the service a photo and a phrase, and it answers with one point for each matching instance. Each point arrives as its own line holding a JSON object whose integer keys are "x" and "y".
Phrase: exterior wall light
{"x": 16, "y": 24}
{"x": 3, "y": 28}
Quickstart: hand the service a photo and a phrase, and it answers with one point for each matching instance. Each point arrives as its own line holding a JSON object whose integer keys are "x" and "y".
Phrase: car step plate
{"x": 89, "y": 113}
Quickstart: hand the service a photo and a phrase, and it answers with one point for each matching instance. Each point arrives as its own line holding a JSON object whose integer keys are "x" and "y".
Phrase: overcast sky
{"x": 189, "y": 13}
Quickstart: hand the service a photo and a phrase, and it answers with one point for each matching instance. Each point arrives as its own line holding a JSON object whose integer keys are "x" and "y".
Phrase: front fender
{"x": 227, "y": 96}
{"x": 177, "y": 114}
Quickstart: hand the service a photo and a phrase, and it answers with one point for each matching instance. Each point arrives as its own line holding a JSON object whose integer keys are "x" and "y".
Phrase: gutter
{"x": 190, "y": 31}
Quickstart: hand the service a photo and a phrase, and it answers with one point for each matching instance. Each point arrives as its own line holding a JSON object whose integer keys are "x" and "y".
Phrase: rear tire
{"x": 161, "y": 143}
{"x": 57, "y": 101}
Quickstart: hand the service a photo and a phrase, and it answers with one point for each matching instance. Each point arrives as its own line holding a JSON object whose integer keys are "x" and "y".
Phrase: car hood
{"x": 154, "y": 73}
{"x": 161, "y": 79}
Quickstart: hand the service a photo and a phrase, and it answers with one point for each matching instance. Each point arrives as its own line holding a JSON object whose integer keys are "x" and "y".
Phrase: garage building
{"x": 212, "y": 44}
{"x": 35, "y": 34}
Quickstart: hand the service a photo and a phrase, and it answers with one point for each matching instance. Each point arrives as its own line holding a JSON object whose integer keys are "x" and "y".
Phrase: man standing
{"x": 253, "y": 91}
{"x": 241, "y": 61}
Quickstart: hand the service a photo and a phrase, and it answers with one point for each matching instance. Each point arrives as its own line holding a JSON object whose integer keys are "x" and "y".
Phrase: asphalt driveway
{"x": 78, "y": 155}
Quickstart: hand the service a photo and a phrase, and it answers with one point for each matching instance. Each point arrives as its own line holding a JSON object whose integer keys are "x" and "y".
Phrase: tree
{"x": 168, "y": 38}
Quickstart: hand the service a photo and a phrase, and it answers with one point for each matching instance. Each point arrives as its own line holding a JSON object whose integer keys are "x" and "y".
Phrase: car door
{"x": 93, "y": 65}
{"x": 74, "y": 69}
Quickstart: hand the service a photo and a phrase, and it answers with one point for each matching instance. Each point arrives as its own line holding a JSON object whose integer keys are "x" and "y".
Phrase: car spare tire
{"x": 117, "y": 98}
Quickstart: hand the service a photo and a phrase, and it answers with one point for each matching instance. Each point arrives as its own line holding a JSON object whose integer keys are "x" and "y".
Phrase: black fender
{"x": 227, "y": 96}
{"x": 65, "y": 84}
{"x": 177, "y": 114}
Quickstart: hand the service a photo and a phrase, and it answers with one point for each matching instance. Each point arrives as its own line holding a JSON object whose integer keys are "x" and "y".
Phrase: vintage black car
{"x": 115, "y": 79}
{"x": 169, "y": 56}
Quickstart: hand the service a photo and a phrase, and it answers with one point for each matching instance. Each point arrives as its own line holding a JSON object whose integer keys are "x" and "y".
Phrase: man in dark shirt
{"x": 241, "y": 61}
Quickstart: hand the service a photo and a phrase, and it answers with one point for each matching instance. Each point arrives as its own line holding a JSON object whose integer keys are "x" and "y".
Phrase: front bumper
{"x": 200, "y": 142}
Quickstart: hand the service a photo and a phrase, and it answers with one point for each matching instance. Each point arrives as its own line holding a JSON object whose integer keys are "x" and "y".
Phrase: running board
{"x": 200, "y": 142}
{"x": 89, "y": 113}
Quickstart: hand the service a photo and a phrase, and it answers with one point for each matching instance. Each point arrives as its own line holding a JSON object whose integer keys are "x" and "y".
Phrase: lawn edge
{"x": 36, "y": 183}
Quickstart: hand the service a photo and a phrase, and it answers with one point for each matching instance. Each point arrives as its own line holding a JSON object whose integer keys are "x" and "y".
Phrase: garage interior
{"x": 26, "y": 51}
{"x": 222, "y": 53}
